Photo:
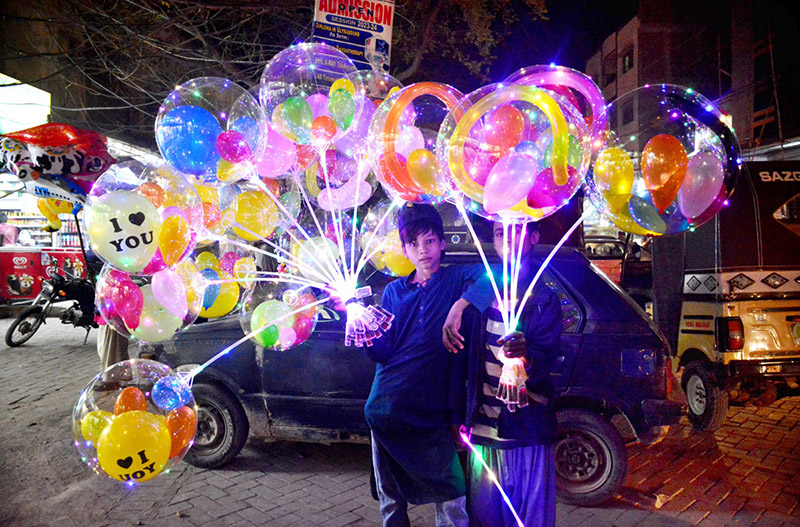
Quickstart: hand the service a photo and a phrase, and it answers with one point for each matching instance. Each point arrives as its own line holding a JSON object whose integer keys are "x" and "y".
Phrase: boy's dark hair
{"x": 410, "y": 232}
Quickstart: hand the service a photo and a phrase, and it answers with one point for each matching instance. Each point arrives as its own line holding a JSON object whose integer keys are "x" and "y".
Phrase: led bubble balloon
{"x": 309, "y": 98}
{"x": 670, "y": 169}
{"x": 380, "y": 241}
{"x": 281, "y": 314}
{"x": 150, "y": 308}
{"x": 143, "y": 218}
{"x": 134, "y": 421}
{"x": 403, "y": 136}
{"x": 514, "y": 152}
{"x": 212, "y": 129}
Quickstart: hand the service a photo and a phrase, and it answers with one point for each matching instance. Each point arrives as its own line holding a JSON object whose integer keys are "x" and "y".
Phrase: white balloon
{"x": 122, "y": 226}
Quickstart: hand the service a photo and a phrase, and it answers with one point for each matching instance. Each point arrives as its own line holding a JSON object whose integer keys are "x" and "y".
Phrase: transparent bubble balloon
{"x": 308, "y": 96}
{"x": 670, "y": 168}
{"x": 514, "y": 152}
{"x": 380, "y": 240}
{"x": 402, "y": 136}
{"x": 227, "y": 272}
{"x": 281, "y": 313}
{"x": 134, "y": 421}
{"x": 150, "y": 308}
{"x": 143, "y": 218}
{"x": 211, "y": 129}
{"x": 254, "y": 208}
{"x": 576, "y": 87}
{"x": 336, "y": 182}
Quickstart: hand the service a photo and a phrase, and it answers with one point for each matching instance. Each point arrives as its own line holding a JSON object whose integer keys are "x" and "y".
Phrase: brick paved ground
{"x": 747, "y": 473}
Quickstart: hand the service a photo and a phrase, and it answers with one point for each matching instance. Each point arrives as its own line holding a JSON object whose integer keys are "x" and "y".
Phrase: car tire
{"x": 222, "y": 427}
{"x": 708, "y": 402}
{"x": 591, "y": 459}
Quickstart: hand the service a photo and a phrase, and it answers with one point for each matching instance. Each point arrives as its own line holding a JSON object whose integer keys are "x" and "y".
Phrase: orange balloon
{"x": 664, "y": 163}
{"x": 173, "y": 238}
{"x": 153, "y": 192}
{"x": 504, "y": 127}
{"x": 323, "y": 128}
{"x": 211, "y": 215}
{"x": 272, "y": 186}
{"x": 182, "y": 424}
{"x": 130, "y": 399}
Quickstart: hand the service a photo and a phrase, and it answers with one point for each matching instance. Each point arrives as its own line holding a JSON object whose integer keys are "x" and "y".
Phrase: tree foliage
{"x": 109, "y": 64}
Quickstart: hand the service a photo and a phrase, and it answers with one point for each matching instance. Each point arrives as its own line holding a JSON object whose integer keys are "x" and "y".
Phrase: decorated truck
{"x": 728, "y": 297}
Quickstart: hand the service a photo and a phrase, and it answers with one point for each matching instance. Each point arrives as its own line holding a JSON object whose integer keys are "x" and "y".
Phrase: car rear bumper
{"x": 662, "y": 412}
{"x": 765, "y": 368}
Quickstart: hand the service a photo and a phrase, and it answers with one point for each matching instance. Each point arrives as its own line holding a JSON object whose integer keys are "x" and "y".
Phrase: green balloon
{"x": 266, "y": 312}
{"x": 574, "y": 157}
{"x": 342, "y": 108}
{"x": 298, "y": 116}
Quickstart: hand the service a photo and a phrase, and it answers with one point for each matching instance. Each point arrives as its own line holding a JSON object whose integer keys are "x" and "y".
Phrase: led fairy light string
{"x": 491, "y": 474}
{"x": 191, "y": 375}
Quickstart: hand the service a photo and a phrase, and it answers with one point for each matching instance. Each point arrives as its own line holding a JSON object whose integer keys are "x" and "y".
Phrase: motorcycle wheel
{"x": 23, "y": 328}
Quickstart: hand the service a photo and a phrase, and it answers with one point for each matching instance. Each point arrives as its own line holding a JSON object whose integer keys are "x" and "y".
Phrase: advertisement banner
{"x": 361, "y": 29}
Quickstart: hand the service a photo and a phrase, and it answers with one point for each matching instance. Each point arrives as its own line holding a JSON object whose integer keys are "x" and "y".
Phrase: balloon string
{"x": 546, "y": 262}
{"x": 222, "y": 353}
{"x": 492, "y": 477}
{"x": 363, "y": 261}
{"x": 336, "y": 216}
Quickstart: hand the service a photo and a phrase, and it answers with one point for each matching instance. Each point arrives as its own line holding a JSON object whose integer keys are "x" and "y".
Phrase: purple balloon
{"x": 509, "y": 182}
{"x": 169, "y": 291}
{"x": 279, "y": 155}
{"x": 705, "y": 174}
{"x": 319, "y": 105}
{"x": 233, "y": 147}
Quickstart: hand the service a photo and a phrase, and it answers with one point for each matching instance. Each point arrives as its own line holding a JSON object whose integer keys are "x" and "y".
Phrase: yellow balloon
{"x": 134, "y": 447}
{"x": 226, "y": 300}
{"x": 613, "y": 171}
{"x": 625, "y": 222}
{"x": 192, "y": 281}
{"x": 227, "y": 171}
{"x": 93, "y": 424}
{"x": 245, "y": 269}
{"x": 343, "y": 84}
{"x": 422, "y": 168}
{"x": 616, "y": 202}
{"x": 207, "y": 194}
{"x": 255, "y": 215}
{"x": 173, "y": 238}
{"x": 398, "y": 264}
{"x": 206, "y": 260}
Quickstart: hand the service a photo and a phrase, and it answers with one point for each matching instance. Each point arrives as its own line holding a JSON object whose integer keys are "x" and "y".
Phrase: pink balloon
{"x": 127, "y": 301}
{"x": 279, "y": 155}
{"x": 227, "y": 262}
{"x": 157, "y": 262}
{"x": 509, "y": 182}
{"x": 479, "y": 164}
{"x": 409, "y": 139}
{"x": 173, "y": 211}
{"x": 705, "y": 174}
{"x": 233, "y": 147}
{"x": 169, "y": 291}
{"x": 287, "y": 337}
{"x": 319, "y": 105}
{"x": 352, "y": 194}
{"x": 546, "y": 193}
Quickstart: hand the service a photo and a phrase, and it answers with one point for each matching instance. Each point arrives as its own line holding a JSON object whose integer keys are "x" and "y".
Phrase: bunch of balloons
{"x": 134, "y": 421}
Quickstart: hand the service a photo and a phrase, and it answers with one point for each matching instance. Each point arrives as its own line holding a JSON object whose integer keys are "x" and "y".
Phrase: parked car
{"x": 613, "y": 376}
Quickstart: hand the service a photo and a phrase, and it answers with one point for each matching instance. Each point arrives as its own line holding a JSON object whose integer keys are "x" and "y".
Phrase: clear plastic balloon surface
{"x": 669, "y": 163}
{"x": 280, "y": 315}
{"x": 134, "y": 421}
{"x": 212, "y": 129}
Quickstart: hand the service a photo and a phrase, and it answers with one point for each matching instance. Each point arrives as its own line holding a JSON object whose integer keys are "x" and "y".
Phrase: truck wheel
{"x": 222, "y": 427}
{"x": 708, "y": 402}
{"x": 591, "y": 460}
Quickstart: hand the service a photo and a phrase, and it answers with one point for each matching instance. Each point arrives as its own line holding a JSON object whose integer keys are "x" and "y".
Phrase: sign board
{"x": 361, "y": 29}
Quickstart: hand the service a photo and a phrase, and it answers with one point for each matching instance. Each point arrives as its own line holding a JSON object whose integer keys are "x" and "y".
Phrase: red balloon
{"x": 504, "y": 127}
{"x": 323, "y": 128}
{"x": 302, "y": 326}
{"x": 50, "y": 134}
{"x": 129, "y": 399}
{"x": 182, "y": 424}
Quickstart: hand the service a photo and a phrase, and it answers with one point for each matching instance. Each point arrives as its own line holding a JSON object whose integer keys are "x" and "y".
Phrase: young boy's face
{"x": 425, "y": 252}
{"x": 514, "y": 233}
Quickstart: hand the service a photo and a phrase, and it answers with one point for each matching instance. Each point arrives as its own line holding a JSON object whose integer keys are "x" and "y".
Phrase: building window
{"x": 627, "y": 60}
{"x": 609, "y": 68}
{"x": 627, "y": 113}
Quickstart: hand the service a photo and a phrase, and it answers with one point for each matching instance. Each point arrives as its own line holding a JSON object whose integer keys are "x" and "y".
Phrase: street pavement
{"x": 748, "y": 473}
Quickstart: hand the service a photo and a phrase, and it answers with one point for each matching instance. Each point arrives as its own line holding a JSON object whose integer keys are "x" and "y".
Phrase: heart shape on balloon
{"x": 137, "y": 218}
{"x": 125, "y": 463}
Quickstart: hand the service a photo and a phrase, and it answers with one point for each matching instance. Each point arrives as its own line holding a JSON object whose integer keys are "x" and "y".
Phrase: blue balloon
{"x": 212, "y": 290}
{"x": 171, "y": 392}
{"x": 646, "y": 215}
{"x": 248, "y": 127}
{"x": 187, "y": 138}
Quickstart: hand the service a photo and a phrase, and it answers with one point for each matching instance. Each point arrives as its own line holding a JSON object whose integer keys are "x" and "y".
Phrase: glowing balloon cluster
{"x": 670, "y": 173}
{"x": 134, "y": 421}
{"x": 212, "y": 129}
{"x": 280, "y": 315}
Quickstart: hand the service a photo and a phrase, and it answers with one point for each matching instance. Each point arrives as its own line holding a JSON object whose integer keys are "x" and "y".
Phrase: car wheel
{"x": 591, "y": 460}
{"x": 222, "y": 427}
{"x": 708, "y": 402}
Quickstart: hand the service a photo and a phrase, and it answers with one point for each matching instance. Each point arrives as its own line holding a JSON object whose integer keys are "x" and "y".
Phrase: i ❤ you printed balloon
{"x": 669, "y": 163}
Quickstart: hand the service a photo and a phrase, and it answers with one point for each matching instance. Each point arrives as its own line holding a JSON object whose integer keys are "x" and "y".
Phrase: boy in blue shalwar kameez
{"x": 408, "y": 412}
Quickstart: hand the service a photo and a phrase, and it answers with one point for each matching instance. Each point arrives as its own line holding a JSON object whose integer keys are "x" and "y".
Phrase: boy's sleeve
{"x": 480, "y": 292}
{"x": 460, "y": 368}
{"x": 383, "y": 347}
{"x": 543, "y": 334}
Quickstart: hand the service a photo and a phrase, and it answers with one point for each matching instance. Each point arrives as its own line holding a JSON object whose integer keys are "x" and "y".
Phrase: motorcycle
{"x": 57, "y": 289}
